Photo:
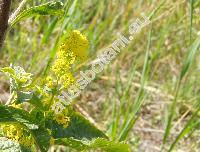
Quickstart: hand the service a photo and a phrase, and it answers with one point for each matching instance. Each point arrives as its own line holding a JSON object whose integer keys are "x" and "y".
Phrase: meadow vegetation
{"x": 147, "y": 99}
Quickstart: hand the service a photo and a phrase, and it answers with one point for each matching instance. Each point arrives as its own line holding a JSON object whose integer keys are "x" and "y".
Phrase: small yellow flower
{"x": 61, "y": 66}
{"x": 62, "y": 119}
{"x": 67, "y": 79}
{"x": 52, "y": 141}
{"x": 67, "y": 56}
{"x": 50, "y": 82}
{"x": 16, "y": 133}
{"x": 18, "y": 106}
{"x": 78, "y": 44}
{"x": 49, "y": 131}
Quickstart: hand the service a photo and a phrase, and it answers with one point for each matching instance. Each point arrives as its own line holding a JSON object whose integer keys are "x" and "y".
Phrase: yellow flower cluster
{"x": 50, "y": 82}
{"x": 74, "y": 48}
{"x": 62, "y": 118}
{"x": 16, "y": 133}
{"x": 17, "y": 106}
{"x": 78, "y": 44}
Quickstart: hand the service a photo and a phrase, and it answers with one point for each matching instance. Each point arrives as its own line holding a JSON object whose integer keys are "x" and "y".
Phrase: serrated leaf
{"x": 109, "y": 146}
{"x": 22, "y": 88}
{"x": 8, "y": 70}
{"x": 72, "y": 143}
{"x": 78, "y": 128}
{"x": 18, "y": 77}
{"x": 50, "y": 8}
{"x": 95, "y": 144}
{"x": 10, "y": 115}
{"x": 38, "y": 116}
{"x": 42, "y": 138}
{"x": 29, "y": 96}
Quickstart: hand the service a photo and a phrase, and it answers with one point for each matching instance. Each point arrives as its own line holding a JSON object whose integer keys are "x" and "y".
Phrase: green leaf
{"x": 109, "y": 146}
{"x": 95, "y": 144}
{"x": 10, "y": 115}
{"x": 78, "y": 128}
{"x": 22, "y": 87}
{"x": 8, "y": 70}
{"x": 32, "y": 97}
{"x": 72, "y": 143}
{"x": 42, "y": 138}
{"x": 50, "y": 8}
{"x": 24, "y": 96}
{"x": 38, "y": 116}
{"x": 19, "y": 78}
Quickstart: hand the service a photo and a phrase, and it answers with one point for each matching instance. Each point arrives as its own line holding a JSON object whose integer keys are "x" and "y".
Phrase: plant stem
{"x": 4, "y": 15}
{"x": 18, "y": 10}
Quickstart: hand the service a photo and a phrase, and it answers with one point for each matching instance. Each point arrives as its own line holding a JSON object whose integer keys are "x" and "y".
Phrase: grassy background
{"x": 143, "y": 96}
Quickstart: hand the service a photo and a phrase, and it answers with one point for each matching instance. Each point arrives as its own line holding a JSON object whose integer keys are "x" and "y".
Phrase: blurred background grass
{"x": 139, "y": 85}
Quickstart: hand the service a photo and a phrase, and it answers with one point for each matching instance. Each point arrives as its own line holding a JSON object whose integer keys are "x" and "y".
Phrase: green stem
{"x": 18, "y": 10}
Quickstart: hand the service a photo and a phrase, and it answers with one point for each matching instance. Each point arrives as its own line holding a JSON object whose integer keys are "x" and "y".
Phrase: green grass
{"x": 159, "y": 69}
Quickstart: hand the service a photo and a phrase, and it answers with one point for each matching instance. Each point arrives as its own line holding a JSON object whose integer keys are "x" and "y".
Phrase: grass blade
{"x": 127, "y": 126}
{"x": 192, "y": 52}
{"x": 190, "y": 57}
{"x": 191, "y": 19}
{"x": 191, "y": 124}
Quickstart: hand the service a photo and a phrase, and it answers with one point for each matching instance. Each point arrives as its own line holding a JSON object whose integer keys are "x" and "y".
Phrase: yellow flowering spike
{"x": 16, "y": 133}
{"x": 74, "y": 47}
{"x": 78, "y": 44}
